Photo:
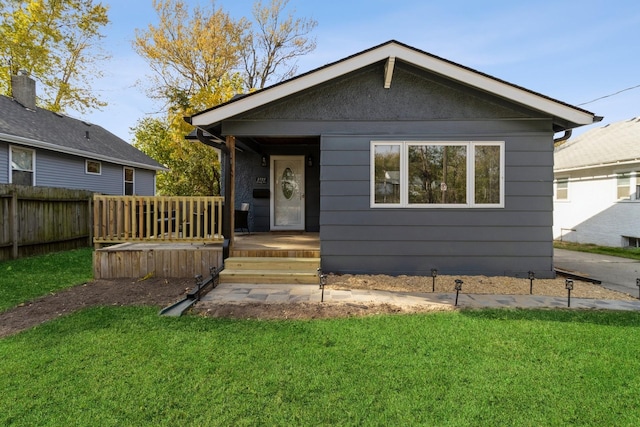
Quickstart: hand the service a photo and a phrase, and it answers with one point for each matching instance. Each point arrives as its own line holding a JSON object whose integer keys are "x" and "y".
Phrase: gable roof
{"x": 44, "y": 129}
{"x": 565, "y": 116}
{"x": 614, "y": 144}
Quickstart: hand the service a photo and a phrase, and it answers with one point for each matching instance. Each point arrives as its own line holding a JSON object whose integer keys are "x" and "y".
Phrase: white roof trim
{"x": 598, "y": 165}
{"x": 81, "y": 153}
{"x": 404, "y": 53}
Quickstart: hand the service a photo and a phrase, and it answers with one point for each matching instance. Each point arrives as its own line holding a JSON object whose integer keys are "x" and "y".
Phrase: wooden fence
{"x": 119, "y": 219}
{"x": 37, "y": 220}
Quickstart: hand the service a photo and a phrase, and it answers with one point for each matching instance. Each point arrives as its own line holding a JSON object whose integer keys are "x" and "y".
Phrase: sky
{"x": 572, "y": 51}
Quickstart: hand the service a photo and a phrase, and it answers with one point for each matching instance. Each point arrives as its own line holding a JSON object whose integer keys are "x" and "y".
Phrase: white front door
{"x": 287, "y": 192}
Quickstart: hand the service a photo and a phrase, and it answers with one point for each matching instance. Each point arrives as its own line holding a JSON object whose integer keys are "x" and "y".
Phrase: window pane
{"x": 22, "y": 177}
{"x": 128, "y": 175}
{"x": 624, "y": 183}
{"x": 487, "y": 174}
{"x": 21, "y": 159}
{"x": 387, "y": 173}
{"x": 562, "y": 189}
{"x": 128, "y": 188}
{"x": 93, "y": 167}
{"x": 437, "y": 174}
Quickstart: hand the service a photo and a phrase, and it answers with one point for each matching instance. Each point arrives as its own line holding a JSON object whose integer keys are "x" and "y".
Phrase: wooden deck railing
{"x": 119, "y": 219}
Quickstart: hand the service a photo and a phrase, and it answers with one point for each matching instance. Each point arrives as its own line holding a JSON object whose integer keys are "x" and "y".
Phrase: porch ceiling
{"x": 255, "y": 143}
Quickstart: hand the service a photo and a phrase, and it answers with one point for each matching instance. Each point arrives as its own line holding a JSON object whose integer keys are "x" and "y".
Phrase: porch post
{"x": 230, "y": 193}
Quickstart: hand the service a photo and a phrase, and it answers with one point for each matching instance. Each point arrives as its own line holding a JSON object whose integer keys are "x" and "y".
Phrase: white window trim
{"x": 33, "y": 163}
{"x": 86, "y": 167}
{"x": 404, "y": 175}
{"x": 124, "y": 181}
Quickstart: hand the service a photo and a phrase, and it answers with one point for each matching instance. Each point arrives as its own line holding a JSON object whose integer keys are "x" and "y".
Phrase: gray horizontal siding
{"x": 442, "y": 248}
{"x": 515, "y": 266}
{"x": 144, "y": 182}
{"x": 436, "y": 217}
{"x": 66, "y": 171}
{"x": 4, "y": 163}
{"x": 356, "y": 238}
{"x": 441, "y": 234}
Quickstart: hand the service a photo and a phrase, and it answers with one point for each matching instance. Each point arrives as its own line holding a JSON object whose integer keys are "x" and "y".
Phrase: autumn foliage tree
{"x": 200, "y": 58}
{"x": 56, "y": 42}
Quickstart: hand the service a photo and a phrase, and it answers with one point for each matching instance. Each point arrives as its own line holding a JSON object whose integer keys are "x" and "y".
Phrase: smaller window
{"x": 93, "y": 167}
{"x": 129, "y": 175}
{"x": 22, "y": 166}
{"x": 624, "y": 186}
{"x": 562, "y": 189}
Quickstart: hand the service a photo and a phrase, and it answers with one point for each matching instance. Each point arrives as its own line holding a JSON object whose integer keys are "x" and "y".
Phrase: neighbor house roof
{"x": 44, "y": 129}
{"x": 614, "y": 144}
{"x": 565, "y": 116}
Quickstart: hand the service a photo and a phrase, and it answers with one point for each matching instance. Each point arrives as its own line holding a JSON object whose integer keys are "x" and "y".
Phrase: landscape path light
{"x": 322, "y": 278}
{"x": 434, "y": 274}
{"x": 638, "y": 285}
{"x": 568, "y": 284}
{"x": 458, "y": 289}
{"x": 532, "y": 276}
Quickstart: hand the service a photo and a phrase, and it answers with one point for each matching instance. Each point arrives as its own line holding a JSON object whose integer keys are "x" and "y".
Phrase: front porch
{"x": 177, "y": 259}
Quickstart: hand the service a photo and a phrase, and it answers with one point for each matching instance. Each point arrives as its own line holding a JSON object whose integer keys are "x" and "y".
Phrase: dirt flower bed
{"x": 162, "y": 292}
{"x": 500, "y": 285}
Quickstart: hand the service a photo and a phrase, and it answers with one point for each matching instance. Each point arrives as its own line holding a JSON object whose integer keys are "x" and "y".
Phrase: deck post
{"x": 231, "y": 189}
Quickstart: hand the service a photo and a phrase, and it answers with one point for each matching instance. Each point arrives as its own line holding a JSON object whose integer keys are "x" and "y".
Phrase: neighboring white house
{"x": 597, "y": 186}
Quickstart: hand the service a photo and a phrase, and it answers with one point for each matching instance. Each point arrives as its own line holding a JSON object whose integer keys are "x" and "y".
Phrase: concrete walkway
{"x": 247, "y": 293}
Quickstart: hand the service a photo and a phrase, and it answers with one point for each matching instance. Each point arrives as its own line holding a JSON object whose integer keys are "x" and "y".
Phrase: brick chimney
{"x": 23, "y": 90}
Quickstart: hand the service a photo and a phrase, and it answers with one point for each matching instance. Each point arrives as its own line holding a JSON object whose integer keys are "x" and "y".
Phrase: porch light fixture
{"x": 434, "y": 274}
{"x": 263, "y": 163}
{"x": 568, "y": 284}
{"x": 532, "y": 276}
{"x": 458, "y": 289}
{"x": 309, "y": 160}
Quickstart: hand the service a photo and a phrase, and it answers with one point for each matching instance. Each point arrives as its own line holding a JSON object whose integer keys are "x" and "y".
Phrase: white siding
{"x": 592, "y": 213}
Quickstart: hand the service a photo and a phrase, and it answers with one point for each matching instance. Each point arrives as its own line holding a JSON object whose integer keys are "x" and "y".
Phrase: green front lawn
{"x": 27, "y": 278}
{"x": 128, "y": 366}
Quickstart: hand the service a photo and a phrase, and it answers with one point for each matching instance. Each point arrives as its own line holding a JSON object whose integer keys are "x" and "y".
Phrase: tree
{"x": 194, "y": 168}
{"x": 190, "y": 54}
{"x": 57, "y": 42}
{"x": 196, "y": 57}
{"x": 272, "y": 49}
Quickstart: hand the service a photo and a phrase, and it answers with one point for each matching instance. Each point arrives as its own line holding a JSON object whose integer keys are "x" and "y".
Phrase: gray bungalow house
{"x": 42, "y": 148}
{"x": 401, "y": 160}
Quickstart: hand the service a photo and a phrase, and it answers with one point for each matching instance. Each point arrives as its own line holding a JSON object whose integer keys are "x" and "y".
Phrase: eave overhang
{"x": 34, "y": 143}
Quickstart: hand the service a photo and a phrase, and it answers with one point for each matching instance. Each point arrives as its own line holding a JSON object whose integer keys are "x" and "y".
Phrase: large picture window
{"x": 437, "y": 174}
{"x": 22, "y": 166}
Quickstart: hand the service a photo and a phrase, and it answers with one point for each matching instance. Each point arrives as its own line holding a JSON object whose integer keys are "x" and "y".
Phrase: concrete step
{"x": 270, "y": 270}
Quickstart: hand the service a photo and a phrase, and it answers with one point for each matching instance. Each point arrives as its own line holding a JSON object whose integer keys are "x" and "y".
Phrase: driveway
{"x": 618, "y": 274}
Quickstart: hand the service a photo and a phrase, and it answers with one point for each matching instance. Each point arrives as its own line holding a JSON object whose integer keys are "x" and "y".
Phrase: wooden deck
{"x": 171, "y": 259}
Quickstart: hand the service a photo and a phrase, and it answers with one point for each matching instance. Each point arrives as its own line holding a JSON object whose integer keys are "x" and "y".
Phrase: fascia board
{"x": 403, "y": 53}
{"x": 34, "y": 143}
